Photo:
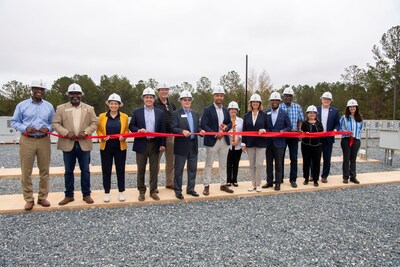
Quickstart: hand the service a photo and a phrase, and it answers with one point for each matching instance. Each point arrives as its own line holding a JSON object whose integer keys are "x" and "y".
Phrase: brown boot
{"x": 65, "y": 201}
{"x": 206, "y": 191}
{"x": 44, "y": 202}
{"x": 141, "y": 197}
{"x": 88, "y": 199}
{"x": 29, "y": 205}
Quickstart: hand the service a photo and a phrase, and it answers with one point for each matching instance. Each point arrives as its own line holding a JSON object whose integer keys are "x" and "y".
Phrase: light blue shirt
{"x": 191, "y": 123}
{"x": 351, "y": 126}
{"x": 274, "y": 115}
{"x": 150, "y": 119}
{"x": 31, "y": 114}
{"x": 295, "y": 113}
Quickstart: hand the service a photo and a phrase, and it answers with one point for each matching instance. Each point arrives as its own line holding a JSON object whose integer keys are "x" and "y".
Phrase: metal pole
{"x": 245, "y": 97}
{"x": 394, "y": 98}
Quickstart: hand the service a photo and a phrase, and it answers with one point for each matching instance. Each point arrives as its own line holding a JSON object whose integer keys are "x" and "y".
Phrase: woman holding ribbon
{"x": 352, "y": 122}
{"x": 235, "y": 150}
{"x": 113, "y": 122}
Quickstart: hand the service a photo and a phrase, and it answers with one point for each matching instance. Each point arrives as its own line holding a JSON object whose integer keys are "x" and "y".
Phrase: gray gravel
{"x": 348, "y": 227}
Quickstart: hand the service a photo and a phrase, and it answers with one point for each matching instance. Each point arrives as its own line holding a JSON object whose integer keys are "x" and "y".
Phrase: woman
{"x": 235, "y": 150}
{"x": 311, "y": 148}
{"x": 352, "y": 122}
{"x": 255, "y": 120}
{"x": 113, "y": 122}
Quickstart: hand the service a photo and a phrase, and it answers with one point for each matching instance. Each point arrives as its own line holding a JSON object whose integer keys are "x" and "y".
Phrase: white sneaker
{"x": 121, "y": 196}
{"x": 106, "y": 198}
{"x": 251, "y": 189}
{"x": 258, "y": 189}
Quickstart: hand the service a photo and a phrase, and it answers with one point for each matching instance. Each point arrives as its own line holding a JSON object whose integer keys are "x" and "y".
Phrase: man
{"x": 33, "y": 117}
{"x": 185, "y": 121}
{"x": 167, "y": 106}
{"x": 74, "y": 121}
{"x": 278, "y": 121}
{"x": 147, "y": 119}
{"x": 296, "y": 118}
{"x": 216, "y": 119}
{"x": 329, "y": 116}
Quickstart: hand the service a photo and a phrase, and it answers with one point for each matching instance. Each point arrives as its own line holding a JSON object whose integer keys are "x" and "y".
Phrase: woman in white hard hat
{"x": 235, "y": 150}
{"x": 255, "y": 120}
{"x": 352, "y": 121}
{"x": 113, "y": 122}
{"x": 311, "y": 148}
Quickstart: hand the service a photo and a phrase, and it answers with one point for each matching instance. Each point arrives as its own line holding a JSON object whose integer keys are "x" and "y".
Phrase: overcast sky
{"x": 296, "y": 42}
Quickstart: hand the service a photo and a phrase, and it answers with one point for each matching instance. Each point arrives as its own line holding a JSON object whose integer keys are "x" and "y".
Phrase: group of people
{"x": 219, "y": 126}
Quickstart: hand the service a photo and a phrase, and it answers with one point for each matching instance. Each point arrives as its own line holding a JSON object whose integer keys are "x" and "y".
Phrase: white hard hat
{"x": 185, "y": 93}
{"x": 275, "y": 96}
{"x": 255, "y": 98}
{"x": 74, "y": 88}
{"x": 38, "y": 84}
{"x": 219, "y": 89}
{"x": 162, "y": 85}
{"x": 312, "y": 108}
{"x": 115, "y": 97}
{"x": 352, "y": 103}
{"x": 288, "y": 91}
{"x": 233, "y": 104}
{"x": 149, "y": 91}
{"x": 327, "y": 95}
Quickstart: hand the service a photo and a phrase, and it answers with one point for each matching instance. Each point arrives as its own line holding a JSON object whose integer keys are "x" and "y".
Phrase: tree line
{"x": 375, "y": 87}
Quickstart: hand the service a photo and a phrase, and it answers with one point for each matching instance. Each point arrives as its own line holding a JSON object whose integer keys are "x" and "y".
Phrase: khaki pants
{"x": 169, "y": 161}
{"x": 29, "y": 148}
{"x": 221, "y": 150}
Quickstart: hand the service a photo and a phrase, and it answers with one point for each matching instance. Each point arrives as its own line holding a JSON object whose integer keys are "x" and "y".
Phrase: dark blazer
{"x": 209, "y": 123}
{"x": 332, "y": 123}
{"x": 261, "y": 123}
{"x": 282, "y": 124}
{"x": 138, "y": 122}
{"x": 179, "y": 122}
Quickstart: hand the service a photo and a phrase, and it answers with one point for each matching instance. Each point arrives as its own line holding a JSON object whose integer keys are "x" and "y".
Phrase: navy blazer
{"x": 179, "y": 122}
{"x": 282, "y": 124}
{"x": 209, "y": 123}
{"x": 261, "y": 123}
{"x": 332, "y": 123}
{"x": 138, "y": 122}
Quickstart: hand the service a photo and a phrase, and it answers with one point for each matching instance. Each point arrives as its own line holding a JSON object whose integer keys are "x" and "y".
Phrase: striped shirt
{"x": 351, "y": 126}
{"x": 295, "y": 113}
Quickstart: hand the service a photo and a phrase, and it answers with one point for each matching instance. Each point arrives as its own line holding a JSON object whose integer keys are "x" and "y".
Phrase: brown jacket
{"x": 63, "y": 123}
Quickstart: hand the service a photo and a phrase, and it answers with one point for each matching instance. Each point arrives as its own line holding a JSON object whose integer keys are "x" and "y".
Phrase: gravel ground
{"x": 348, "y": 227}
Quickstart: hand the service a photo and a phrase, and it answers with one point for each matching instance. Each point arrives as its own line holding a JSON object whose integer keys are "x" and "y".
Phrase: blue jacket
{"x": 332, "y": 123}
{"x": 209, "y": 123}
{"x": 261, "y": 123}
{"x": 179, "y": 122}
{"x": 138, "y": 122}
{"x": 282, "y": 124}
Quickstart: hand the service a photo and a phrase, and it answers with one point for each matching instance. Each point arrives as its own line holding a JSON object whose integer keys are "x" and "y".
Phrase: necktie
{"x": 234, "y": 129}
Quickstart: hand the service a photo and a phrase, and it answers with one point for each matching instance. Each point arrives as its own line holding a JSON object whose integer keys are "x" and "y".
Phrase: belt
{"x": 36, "y": 136}
{"x": 150, "y": 140}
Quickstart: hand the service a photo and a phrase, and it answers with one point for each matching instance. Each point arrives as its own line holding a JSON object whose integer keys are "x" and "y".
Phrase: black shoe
{"x": 235, "y": 184}
{"x": 192, "y": 193}
{"x": 324, "y": 180}
{"x": 267, "y": 186}
{"x": 179, "y": 196}
{"x": 316, "y": 183}
{"x": 345, "y": 181}
{"x": 354, "y": 180}
{"x": 293, "y": 184}
{"x": 277, "y": 187}
{"x": 305, "y": 182}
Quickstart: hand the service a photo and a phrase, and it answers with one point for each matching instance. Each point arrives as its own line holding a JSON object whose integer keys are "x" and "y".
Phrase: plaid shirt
{"x": 295, "y": 113}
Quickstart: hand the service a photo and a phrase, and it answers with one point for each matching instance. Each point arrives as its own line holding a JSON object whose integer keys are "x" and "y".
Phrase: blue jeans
{"x": 69, "y": 163}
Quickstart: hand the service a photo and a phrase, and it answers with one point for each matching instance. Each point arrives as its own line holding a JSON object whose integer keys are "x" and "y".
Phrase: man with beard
{"x": 33, "y": 117}
{"x": 74, "y": 121}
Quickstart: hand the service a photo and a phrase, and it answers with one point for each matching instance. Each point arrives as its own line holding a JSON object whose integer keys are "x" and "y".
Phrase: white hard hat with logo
{"x": 114, "y": 97}
{"x": 275, "y": 96}
{"x": 312, "y": 108}
{"x": 162, "y": 85}
{"x": 74, "y": 88}
{"x": 233, "y": 105}
{"x": 184, "y": 94}
{"x": 327, "y": 95}
{"x": 288, "y": 91}
{"x": 38, "y": 84}
{"x": 352, "y": 103}
{"x": 219, "y": 89}
{"x": 149, "y": 91}
{"x": 255, "y": 98}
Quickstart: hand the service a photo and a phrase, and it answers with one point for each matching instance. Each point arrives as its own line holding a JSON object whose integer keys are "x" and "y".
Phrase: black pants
{"x": 349, "y": 157}
{"x": 311, "y": 155}
{"x": 107, "y": 156}
{"x": 191, "y": 159}
{"x": 232, "y": 165}
{"x": 293, "y": 145}
{"x": 274, "y": 153}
